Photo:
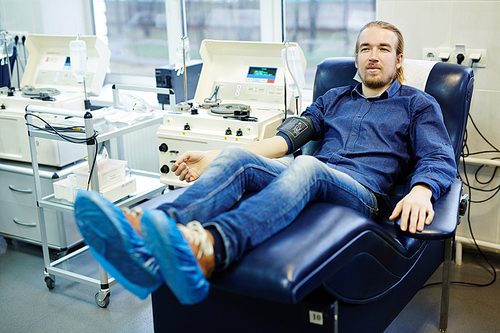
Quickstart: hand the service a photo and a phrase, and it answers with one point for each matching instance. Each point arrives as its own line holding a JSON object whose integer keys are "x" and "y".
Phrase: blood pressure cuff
{"x": 297, "y": 131}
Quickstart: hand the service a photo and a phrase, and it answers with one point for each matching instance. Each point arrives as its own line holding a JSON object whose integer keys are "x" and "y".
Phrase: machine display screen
{"x": 261, "y": 74}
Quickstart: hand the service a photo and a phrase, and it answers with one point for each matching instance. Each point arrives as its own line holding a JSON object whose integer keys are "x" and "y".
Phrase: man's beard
{"x": 375, "y": 82}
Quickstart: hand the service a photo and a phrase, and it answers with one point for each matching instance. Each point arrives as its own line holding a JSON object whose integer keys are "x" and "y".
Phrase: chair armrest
{"x": 445, "y": 220}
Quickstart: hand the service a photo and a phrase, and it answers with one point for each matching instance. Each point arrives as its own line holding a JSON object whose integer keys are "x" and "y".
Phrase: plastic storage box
{"x": 115, "y": 173}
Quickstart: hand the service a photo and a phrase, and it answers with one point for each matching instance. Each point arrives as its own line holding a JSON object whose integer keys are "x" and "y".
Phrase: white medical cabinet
{"x": 19, "y": 211}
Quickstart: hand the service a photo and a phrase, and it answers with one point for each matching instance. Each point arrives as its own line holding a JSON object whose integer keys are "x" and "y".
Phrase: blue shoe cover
{"x": 172, "y": 252}
{"x": 115, "y": 244}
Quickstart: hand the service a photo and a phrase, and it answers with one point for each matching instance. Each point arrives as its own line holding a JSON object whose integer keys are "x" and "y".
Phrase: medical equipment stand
{"x": 49, "y": 202}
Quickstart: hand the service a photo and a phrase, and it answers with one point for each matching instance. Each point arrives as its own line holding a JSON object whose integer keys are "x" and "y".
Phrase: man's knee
{"x": 308, "y": 162}
{"x": 305, "y": 166}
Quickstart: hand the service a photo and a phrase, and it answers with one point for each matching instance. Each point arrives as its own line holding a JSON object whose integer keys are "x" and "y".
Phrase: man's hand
{"x": 415, "y": 209}
{"x": 190, "y": 165}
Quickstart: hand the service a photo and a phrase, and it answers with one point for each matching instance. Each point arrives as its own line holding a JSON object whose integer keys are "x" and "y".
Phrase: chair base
{"x": 318, "y": 312}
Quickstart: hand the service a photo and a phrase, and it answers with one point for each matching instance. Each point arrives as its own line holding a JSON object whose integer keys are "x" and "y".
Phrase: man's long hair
{"x": 399, "y": 48}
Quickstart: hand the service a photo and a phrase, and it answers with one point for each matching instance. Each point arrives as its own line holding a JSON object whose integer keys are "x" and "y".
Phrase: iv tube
{"x": 294, "y": 73}
{"x": 78, "y": 61}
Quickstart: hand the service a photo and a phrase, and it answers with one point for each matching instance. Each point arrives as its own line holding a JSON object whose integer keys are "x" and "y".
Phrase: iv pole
{"x": 184, "y": 39}
{"x": 183, "y": 106}
{"x": 283, "y": 40}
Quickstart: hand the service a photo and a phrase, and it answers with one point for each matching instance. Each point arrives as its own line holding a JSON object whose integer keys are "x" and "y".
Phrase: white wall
{"x": 475, "y": 24}
{"x": 62, "y": 17}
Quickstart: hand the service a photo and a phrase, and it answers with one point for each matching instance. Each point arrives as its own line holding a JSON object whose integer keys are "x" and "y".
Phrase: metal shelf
{"x": 148, "y": 185}
{"x": 106, "y": 131}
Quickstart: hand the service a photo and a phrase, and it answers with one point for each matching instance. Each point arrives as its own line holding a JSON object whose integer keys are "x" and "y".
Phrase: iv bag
{"x": 6, "y": 38}
{"x": 179, "y": 51}
{"x": 294, "y": 73}
{"x": 78, "y": 58}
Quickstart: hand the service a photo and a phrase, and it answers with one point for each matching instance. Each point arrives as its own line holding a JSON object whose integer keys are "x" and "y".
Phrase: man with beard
{"x": 371, "y": 134}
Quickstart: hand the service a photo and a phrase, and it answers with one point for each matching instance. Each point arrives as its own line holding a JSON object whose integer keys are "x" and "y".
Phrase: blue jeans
{"x": 284, "y": 189}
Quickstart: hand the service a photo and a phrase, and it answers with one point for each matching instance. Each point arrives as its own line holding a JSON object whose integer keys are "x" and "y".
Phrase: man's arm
{"x": 190, "y": 165}
{"x": 435, "y": 168}
{"x": 415, "y": 209}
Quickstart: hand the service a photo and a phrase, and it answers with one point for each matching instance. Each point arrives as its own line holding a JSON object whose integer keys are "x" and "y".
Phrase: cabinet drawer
{"x": 20, "y": 189}
{"x": 17, "y": 221}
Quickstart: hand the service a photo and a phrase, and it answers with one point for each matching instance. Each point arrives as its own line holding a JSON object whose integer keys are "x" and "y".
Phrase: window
{"x": 136, "y": 31}
{"x": 222, "y": 20}
{"x": 326, "y": 28}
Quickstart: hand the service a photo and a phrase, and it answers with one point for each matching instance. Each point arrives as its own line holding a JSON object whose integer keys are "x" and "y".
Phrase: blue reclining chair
{"x": 333, "y": 269}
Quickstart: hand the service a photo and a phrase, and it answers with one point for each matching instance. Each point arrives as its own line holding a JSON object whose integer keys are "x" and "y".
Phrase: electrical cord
{"x": 481, "y": 134}
{"x": 93, "y": 164}
{"x": 49, "y": 128}
{"x": 23, "y": 41}
{"x": 466, "y": 153}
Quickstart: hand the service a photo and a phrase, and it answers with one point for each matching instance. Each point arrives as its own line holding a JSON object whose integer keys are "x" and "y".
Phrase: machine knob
{"x": 187, "y": 127}
{"x": 163, "y": 147}
{"x": 239, "y": 132}
{"x": 228, "y": 131}
{"x": 165, "y": 169}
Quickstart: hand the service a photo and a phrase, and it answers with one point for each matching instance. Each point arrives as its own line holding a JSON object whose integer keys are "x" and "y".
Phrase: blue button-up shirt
{"x": 375, "y": 140}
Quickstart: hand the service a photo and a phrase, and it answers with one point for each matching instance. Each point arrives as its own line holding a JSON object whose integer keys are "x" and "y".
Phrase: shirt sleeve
{"x": 432, "y": 149}
{"x": 287, "y": 142}
{"x": 316, "y": 112}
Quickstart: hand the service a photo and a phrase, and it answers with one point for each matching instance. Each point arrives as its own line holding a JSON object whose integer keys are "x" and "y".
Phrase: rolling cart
{"x": 148, "y": 185}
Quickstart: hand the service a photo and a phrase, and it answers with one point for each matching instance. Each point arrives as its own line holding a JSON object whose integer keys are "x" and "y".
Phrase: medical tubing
{"x": 293, "y": 78}
{"x": 50, "y": 129}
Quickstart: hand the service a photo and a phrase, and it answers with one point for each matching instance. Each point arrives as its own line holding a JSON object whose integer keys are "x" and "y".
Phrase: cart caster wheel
{"x": 51, "y": 283}
{"x": 100, "y": 301}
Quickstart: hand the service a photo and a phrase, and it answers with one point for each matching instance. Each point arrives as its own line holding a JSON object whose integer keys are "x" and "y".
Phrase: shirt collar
{"x": 388, "y": 93}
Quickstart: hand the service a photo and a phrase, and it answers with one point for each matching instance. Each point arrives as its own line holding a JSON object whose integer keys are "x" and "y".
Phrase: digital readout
{"x": 261, "y": 74}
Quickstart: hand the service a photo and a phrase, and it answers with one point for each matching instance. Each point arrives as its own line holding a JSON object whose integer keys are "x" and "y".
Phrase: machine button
{"x": 165, "y": 169}
{"x": 228, "y": 131}
{"x": 163, "y": 147}
{"x": 174, "y": 152}
{"x": 187, "y": 127}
